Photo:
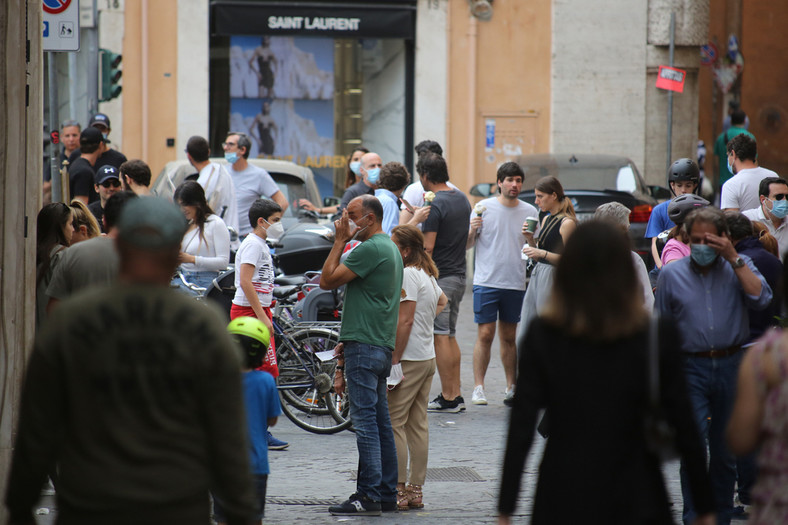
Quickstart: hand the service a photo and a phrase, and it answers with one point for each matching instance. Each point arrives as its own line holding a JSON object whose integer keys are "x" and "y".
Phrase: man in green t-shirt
{"x": 738, "y": 118}
{"x": 372, "y": 274}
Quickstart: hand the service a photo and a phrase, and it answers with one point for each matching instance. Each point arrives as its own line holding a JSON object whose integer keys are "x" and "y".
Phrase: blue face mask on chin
{"x": 703, "y": 254}
{"x": 373, "y": 175}
{"x": 232, "y": 157}
{"x": 780, "y": 208}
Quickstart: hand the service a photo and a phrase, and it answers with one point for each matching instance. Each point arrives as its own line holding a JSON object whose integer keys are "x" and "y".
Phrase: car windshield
{"x": 293, "y": 189}
{"x": 620, "y": 178}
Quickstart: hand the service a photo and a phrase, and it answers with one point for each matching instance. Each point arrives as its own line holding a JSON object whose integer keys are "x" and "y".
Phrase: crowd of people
{"x": 163, "y": 400}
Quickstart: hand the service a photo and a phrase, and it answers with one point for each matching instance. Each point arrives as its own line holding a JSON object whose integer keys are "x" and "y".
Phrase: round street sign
{"x": 708, "y": 54}
{"x": 55, "y": 6}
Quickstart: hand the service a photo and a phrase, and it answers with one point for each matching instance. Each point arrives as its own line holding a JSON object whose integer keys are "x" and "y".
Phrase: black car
{"x": 591, "y": 180}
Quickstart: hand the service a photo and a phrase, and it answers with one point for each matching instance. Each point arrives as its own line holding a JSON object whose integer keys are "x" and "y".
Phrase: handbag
{"x": 660, "y": 434}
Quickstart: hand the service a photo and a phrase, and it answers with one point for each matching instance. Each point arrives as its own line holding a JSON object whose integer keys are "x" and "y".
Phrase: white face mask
{"x": 353, "y": 226}
{"x": 275, "y": 230}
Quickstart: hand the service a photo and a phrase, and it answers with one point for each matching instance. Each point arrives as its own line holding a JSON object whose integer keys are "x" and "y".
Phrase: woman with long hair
{"x": 414, "y": 353}
{"x": 85, "y": 224}
{"x": 351, "y": 178}
{"x": 54, "y": 231}
{"x": 584, "y": 360}
{"x": 555, "y": 229}
{"x": 767, "y": 240}
{"x": 205, "y": 249}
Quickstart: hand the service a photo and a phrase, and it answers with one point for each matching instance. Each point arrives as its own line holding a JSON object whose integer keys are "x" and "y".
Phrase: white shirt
{"x": 255, "y": 251}
{"x": 212, "y": 251}
{"x": 220, "y": 193}
{"x": 780, "y": 232}
{"x": 741, "y": 191}
{"x": 424, "y": 290}
{"x": 499, "y": 245}
{"x": 250, "y": 184}
{"x": 645, "y": 282}
{"x": 414, "y": 194}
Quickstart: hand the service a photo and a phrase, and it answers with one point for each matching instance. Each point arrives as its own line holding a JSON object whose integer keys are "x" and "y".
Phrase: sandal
{"x": 402, "y": 498}
{"x": 415, "y": 497}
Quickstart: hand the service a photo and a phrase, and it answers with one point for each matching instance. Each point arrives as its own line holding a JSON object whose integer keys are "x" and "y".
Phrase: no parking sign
{"x": 61, "y": 25}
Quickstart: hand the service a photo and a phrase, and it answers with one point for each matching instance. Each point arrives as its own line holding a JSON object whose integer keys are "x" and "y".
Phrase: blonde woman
{"x": 421, "y": 300}
{"x": 85, "y": 224}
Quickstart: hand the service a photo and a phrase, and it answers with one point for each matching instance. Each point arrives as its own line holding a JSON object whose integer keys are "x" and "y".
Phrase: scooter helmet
{"x": 681, "y": 206}
{"x": 684, "y": 170}
{"x": 253, "y": 336}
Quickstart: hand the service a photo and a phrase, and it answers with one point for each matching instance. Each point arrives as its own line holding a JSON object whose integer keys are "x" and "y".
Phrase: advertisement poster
{"x": 282, "y": 96}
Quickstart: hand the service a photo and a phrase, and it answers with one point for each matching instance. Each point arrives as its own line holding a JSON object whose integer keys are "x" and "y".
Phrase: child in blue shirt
{"x": 261, "y": 399}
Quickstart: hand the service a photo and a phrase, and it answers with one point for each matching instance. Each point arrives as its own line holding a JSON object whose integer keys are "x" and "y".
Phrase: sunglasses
{"x": 115, "y": 183}
{"x": 780, "y": 196}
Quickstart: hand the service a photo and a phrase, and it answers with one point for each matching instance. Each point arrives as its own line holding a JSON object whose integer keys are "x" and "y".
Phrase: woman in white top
{"x": 205, "y": 248}
{"x": 420, "y": 301}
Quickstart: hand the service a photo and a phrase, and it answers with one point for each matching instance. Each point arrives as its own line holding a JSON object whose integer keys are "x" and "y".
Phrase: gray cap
{"x": 151, "y": 223}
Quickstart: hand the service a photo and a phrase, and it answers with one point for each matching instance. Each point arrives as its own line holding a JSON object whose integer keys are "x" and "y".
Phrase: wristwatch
{"x": 738, "y": 263}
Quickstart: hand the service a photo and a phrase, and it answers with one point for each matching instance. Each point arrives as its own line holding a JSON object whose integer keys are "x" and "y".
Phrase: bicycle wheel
{"x": 305, "y": 383}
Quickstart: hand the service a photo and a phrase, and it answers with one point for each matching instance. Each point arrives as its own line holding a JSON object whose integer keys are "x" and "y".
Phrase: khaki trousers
{"x": 408, "y": 412}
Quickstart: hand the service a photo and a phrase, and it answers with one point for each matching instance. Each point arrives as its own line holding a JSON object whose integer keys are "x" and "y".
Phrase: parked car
{"x": 591, "y": 180}
{"x": 305, "y": 244}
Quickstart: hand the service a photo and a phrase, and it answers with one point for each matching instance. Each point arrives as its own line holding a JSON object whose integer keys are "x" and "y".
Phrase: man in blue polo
{"x": 373, "y": 275}
{"x": 707, "y": 294}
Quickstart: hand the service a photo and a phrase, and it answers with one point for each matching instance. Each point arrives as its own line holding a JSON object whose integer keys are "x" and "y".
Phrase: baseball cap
{"x": 106, "y": 172}
{"x": 151, "y": 223}
{"x": 91, "y": 135}
{"x": 100, "y": 118}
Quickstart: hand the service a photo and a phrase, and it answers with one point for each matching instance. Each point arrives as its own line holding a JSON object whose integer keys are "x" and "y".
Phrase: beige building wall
{"x": 150, "y": 81}
{"x": 499, "y": 71}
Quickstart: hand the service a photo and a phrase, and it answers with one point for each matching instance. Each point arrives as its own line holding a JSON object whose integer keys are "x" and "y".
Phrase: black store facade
{"x": 309, "y": 81}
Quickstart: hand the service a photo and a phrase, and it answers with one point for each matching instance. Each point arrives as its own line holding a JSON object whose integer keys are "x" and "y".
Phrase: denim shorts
{"x": 454, "y": 288}
{"x": 491, "y": 304}
{"x": 260, "y": 483}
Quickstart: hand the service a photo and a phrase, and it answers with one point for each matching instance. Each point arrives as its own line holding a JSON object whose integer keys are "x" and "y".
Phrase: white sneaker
{"x": 478, "y": 397}
{"x": 508, "y": 399}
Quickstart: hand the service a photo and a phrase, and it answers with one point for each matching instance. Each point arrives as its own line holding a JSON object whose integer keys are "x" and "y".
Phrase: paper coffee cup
{"x": 530, "y": 224}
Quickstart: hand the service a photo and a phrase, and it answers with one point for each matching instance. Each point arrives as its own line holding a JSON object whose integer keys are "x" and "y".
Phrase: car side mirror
{"x": 331, "y": 201}
{"x": 484, "y": 189}
{"x": 660, "y": 193}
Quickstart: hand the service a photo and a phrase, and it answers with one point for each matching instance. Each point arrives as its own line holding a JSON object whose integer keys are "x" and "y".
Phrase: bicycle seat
{"x": 280, "y": 292}
{"x": 289, "y": 280}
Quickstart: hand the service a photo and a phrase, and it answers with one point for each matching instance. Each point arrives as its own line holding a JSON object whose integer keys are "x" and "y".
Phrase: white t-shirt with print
{"x": 255, "y": 251}
{"x": 424, "y": 290}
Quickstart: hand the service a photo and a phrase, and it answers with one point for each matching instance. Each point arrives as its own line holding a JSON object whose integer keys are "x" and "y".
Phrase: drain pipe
{"x": 144, "y": 77}
{"x": 471, "y": 65}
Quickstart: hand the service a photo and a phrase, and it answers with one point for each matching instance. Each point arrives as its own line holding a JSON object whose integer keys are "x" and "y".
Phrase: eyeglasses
{"x": 228, "y": 144}
{"x": 780, "y": 196}
{"x": 115, "y": 183}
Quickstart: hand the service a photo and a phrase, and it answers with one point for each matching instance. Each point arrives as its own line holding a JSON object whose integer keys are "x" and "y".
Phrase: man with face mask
{"x": 707, "y": 294}
{"x": 372, "y": 274}
{"x": 369, "y": 171}
{"x": 773, "y": 193}
{"x": 740, "y": 193}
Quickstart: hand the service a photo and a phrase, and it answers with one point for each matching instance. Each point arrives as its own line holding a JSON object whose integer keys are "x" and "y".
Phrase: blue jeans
{"x": 711, "y": 384}
{"x": 201, "y": 279}
{"x": 366, "y": 368}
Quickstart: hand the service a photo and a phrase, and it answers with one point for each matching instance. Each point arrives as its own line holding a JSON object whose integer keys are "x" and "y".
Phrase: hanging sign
{"x": 671, "y": 79}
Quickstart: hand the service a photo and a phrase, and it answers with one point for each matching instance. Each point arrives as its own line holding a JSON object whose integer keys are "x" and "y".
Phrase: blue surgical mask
{"x": 730, "y": 168}
{"x": 780, "y": 208}
{"x": 355, "y": 166}
{"x": 373, "y": 175}
{"x": 231, "y": 157}
{"x": 105, "y": 135}
{"x": 703, "y": 254}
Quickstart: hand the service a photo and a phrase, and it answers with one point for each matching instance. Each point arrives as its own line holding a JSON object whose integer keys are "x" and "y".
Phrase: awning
{"x": 338, "y": 20}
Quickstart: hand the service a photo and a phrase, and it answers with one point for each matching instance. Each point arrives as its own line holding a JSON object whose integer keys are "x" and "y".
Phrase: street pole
{"x": 93, "y": 64}
{"x": 670, "y": 95}
{"x": 54, "y": 157}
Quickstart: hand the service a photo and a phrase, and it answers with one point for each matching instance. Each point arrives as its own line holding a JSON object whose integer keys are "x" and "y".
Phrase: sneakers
{"x": 439, "y": 404}
{"x": 357, "y": 505}
{"x": 478, "y": 397}
{"x": 388, "y": 506}
{"x": 508, "y": 399}
{"x": 461, "y": 401}
{"x": 276, "y": 444}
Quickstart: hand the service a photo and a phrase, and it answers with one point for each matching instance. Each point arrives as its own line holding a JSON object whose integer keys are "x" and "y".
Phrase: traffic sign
{"x": 60, "y": 30}
{"x": 708, "y": 54}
